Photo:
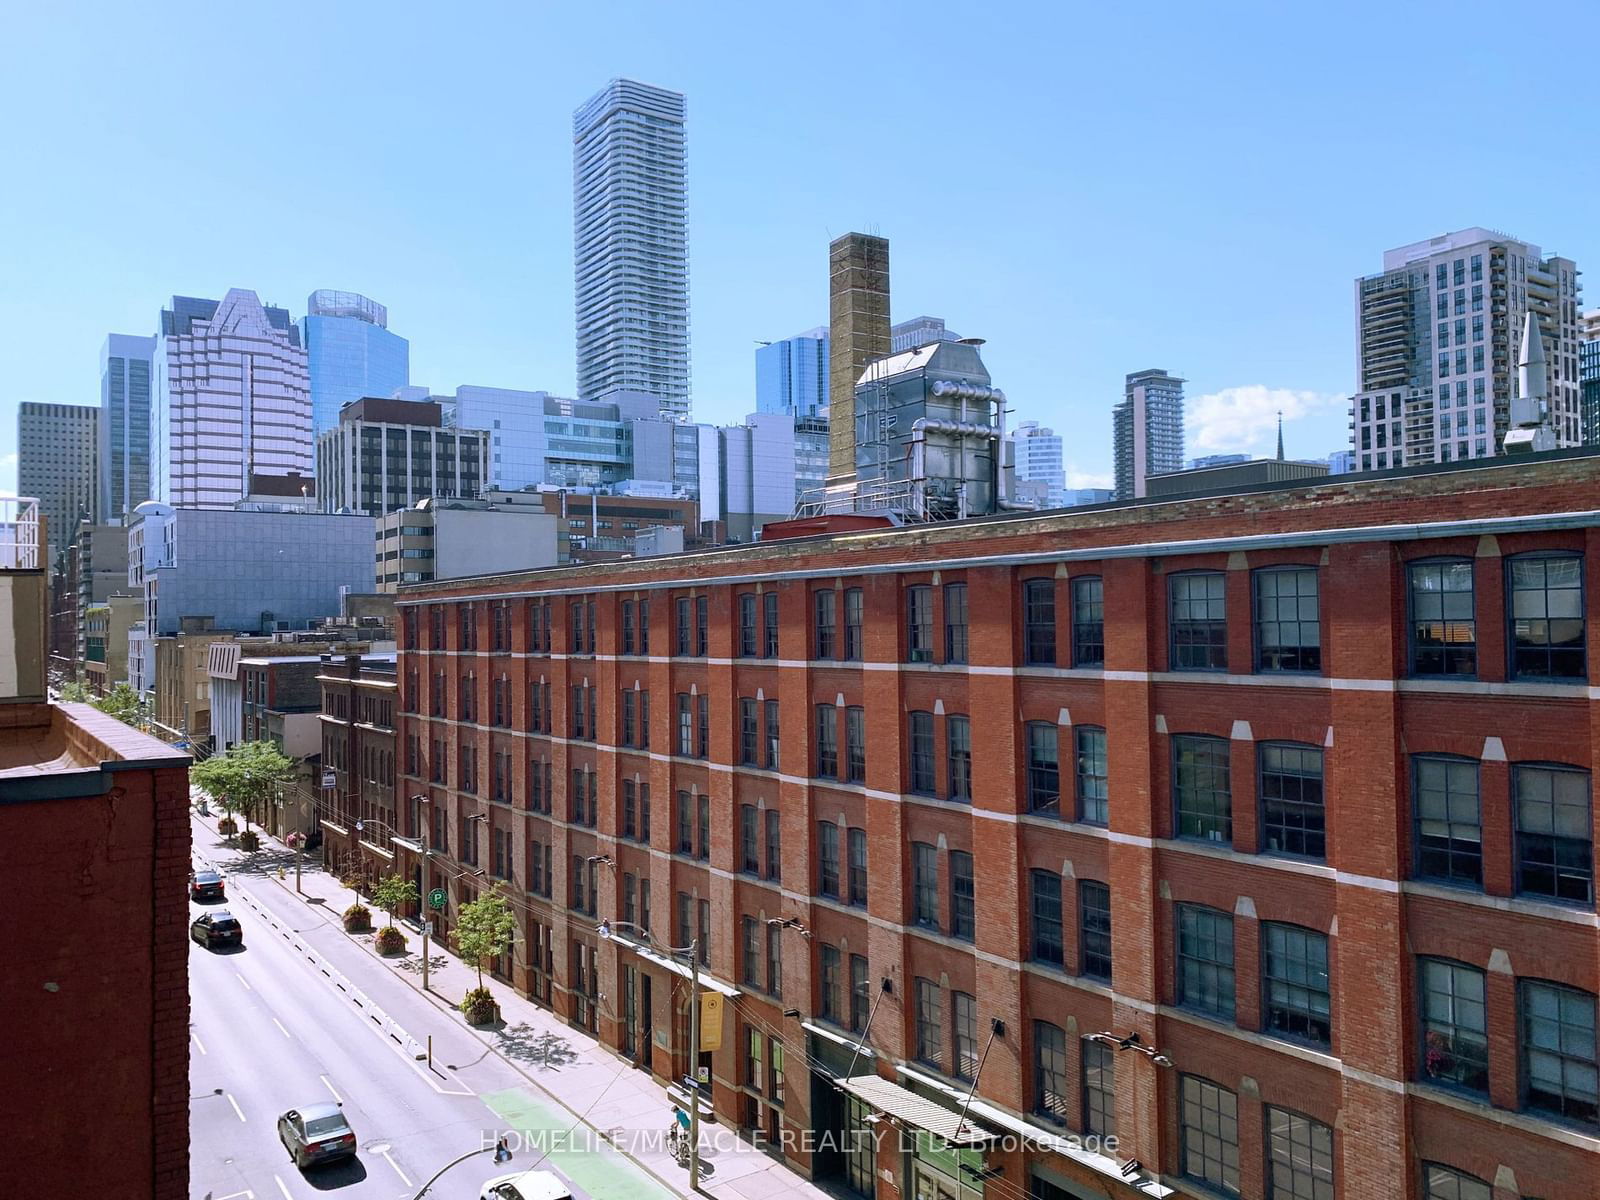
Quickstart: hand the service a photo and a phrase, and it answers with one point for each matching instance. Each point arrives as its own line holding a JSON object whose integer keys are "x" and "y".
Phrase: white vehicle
{"x": 529, "y": 1185}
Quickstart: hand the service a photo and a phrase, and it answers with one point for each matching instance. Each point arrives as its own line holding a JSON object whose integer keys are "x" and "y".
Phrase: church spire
{"x": 1280, "y": 435}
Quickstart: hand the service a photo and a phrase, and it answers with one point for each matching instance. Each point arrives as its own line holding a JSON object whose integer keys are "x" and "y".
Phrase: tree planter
{"x": 479, "y": 1007}
{"x": 390, "y": 940}
{"x": 249, "y": 840}
{"x": 227, "y": 827}
{"x": 358, "y": 919}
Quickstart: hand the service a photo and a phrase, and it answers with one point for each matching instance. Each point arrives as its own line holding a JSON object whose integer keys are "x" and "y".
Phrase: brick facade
{"x": 1319, "y": 867}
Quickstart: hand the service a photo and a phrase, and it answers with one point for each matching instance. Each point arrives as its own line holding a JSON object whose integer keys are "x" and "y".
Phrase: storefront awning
{"x": 916, "y": 1111}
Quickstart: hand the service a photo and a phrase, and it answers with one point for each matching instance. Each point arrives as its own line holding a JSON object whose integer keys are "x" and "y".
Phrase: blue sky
{"x": 1095, "y": 189}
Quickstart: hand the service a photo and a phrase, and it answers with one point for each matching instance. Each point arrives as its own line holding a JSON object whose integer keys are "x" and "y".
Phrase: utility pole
{"x": 694, "y": 1065}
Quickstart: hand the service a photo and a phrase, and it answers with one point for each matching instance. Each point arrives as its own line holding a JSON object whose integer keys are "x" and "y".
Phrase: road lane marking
{"x": 284, "y": 1188}
{"x": 241, "y": 979}
{"x": 202, "y": 1050}
{"x": 247, "y": 1194}
{"x": 388, "y": 1157}
{"x": 329, "y": 1085}
{"x": 236, "y": 1107}
{"x": 279, "y": 1024}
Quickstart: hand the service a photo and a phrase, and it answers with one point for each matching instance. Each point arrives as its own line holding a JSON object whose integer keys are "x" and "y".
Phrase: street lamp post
{"x": 693, "y": 951}
{"x": 502, "y": 1154}
{"x": 422, "y": 892}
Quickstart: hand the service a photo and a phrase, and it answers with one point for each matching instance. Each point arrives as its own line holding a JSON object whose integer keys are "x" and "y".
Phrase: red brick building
{"x": 1290, "y": 788}
{"x": 356, "y": 805}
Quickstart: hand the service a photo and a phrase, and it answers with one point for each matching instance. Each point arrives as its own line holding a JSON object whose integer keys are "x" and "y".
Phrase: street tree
{"x": 391, "y": 894}
{"x": 245, "y": 777}
{"x": 483, "y": 930}
{"x": 73, "y": 692}
{"x": 121, "y": 702}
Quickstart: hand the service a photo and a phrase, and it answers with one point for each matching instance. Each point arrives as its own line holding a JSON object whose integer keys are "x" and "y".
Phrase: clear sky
{"x": 1095, "y": 189}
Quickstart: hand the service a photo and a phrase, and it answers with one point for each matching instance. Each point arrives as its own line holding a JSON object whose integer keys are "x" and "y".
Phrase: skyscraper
{"x": 919, "y": 331}
{"x": 631, "y": 245}
{"x": 232, "y": 401}
{"x": 1147, "y": 431}
{"x": 1589, "y": 375}
{"x": 792, "y": 375}
{"x": 1039, "y": 461}
{"x": 124, "y": 449}
{"x": 1439, "y": 335}
{"x": 350, "y": 353}
{"x": 57, "y": 447}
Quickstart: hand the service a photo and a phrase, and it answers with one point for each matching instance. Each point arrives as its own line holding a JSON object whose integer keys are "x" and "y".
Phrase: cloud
{"x": 1240, "y": 419}
{"x": 1077, "y": 477}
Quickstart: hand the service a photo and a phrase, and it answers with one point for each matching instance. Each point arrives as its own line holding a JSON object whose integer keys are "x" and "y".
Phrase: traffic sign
{"x": 436, "y": 898}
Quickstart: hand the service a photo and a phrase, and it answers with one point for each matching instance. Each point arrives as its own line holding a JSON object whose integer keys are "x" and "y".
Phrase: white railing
{"x": 20, "y": 543}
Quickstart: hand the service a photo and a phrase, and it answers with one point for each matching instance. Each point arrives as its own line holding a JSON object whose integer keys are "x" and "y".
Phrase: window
{"x": 1205, "y": 960}
{"x": 774, "y": 846}
{"x": 685, "y": 726}
{"x": 930, "y": 1023}
{"x": 749, "y": 732}
{"x": 702, "y": 731}
{"x": 828, "y": 859}
{"x": 1444, "y": 632}
{"x": 703, "y": 846}
{"x": 630, "y": 809}
{"x": 1293, "y": 820}
{"x": 1555, "y": 847}
{"x": 747, "y": 625}
{"x": 964, "y": 1021}
{"x": 1299, "y": 1157}
{"x": 831, "y": 1007}
{"x": 751, "y": 944}
{"x": 682, "y": 642}
{"x": 628, "y": 639}
{"x": 703, "y": 933}
{"x": 1088, "y": 622}
{"x": 824, "y": 642}
{"x": 630, "y": 717}
{"x": 702, "y": 606}
{"x": 856, "y": 846}
{"x": 685, "y": 823}
{"x": 1546, "y": 611}
{"x": 775, "y": 960}
{"x": 859, "y": 993}
{"x": 749, "y": 839}
{"x": 855, "y": 744}
{"x": 1446, "y": 1183}
{"x": 827, "y": 742}
{"x": 919, "y": 624}
{"x": 467, "y": 757}
{"x": 1288, "y": 632}
{"x": 685, "y": 918}
{"x": 1050, "y": 1072}
{"x": 1099, "y": 1089}
{"x": 963, "y": 923}
{"x": 770, "y": 761}
{"x": 1449, "y": 828}
{"x": 1092, "y": 795}
{"x": 925, "y": 885}
{"x": 1198, "y": 609}
{"x": 1094, "y": 930}
{"x": 921, "y": 743}
{"x": 769, "y": 625}
{"x": 644, "y": 626}
{"x": 1045, "y": 908}
{"x": 1295, "y": 967}
{"x": 1044, "y": 768}
{"x": 1200, "y": 786}
{"x": 1209, "y": 1118}
{"x": 1039, "y": 622}
{"x": 955, "y": 622}
{"x": 1455, "y": 1024}
{"x": 853, "y": 608}
{"x": 958, "y": 752}
{"x": 1559, "y": 1066}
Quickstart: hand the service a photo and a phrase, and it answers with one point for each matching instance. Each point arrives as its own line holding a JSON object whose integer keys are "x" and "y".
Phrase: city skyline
{"x": 484, "y": 277}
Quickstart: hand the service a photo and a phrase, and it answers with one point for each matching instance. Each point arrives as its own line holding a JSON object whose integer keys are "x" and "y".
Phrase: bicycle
{"x": 678, "y": 1144}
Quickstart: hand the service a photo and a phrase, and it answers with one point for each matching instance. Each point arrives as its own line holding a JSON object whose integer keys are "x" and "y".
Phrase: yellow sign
{"x": 711, "y": 1021}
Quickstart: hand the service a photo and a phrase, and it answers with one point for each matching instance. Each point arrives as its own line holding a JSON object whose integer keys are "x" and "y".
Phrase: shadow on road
{"x": 345, "y": 1173}
{"x": 540, "y": 1048}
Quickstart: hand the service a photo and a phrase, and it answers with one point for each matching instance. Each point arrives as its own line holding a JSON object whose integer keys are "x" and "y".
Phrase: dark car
{"x": 317, "y": 1133}
{"x": 206, "y": 885}
{"x": 217, "y": 928}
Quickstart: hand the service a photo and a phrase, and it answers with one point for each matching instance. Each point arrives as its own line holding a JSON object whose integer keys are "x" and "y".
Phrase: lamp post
{"x": 427, "y": 918}
{"x": 605, "y": 930}
{"x": 502, "y": 1154}
{"x": 1131, "y": 1168}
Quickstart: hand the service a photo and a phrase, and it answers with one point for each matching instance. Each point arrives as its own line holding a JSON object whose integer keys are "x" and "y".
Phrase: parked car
{"x": 206, "y": 885}
{"x": 529, "y": 1185}
{"x": 315, "y": 1134}
{"x": 219, "y": 927}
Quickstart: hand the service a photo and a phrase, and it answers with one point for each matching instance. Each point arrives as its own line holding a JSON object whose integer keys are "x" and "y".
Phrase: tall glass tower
{"x": 631, "y": 245}
{"x": 792, "y": 375}
{"x": 125, "y": 363}
{"x": 350, "y": 354}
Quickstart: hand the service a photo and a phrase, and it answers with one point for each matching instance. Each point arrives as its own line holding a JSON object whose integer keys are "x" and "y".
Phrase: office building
{"x": 1356, "y": 933}
{"x": 757, "y": 483}
{"x": 124, "y": 447}
{"x": 57, "y": 463}
{"x": 1078, "y": 497}
{"x": 105, "y": 640}
{"x": 356, "y": 746}
{"x": 514, "y": 421}
{"x": 631, "y": 245}
{"x": 388, "y": 454}
{"x": 1341, "y": 462}
{"x": 1147, "y": 431}
{"x": 449, "y": 539}
{"x": 350, "y": 354}
{"x": 1439, "y": 337}
{"x": 792, "y": 375}
{"x": 1214, "y": 460}
{"x": 1589, "y": 376}
{"x": 919, "y": 331}
{"x": 811, "y": 438}
{"x": 1039, "y": 460}
{"x": 98, "y": 570}
{"x": 232, "y": 401}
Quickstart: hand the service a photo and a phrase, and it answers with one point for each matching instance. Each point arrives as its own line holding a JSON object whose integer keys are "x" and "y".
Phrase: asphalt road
{"x": 270, "y": 1031}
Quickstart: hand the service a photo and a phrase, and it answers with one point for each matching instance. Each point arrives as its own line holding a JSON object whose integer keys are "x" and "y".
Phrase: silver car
{"x": 317, "y": 1133}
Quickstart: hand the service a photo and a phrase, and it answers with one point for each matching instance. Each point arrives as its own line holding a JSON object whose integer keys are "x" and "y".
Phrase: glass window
{"x": 1288, "y": 631}
{"x": 1045, "y": 908}
{"x": 1039, "y": 622}
{"x": 1050, "y": 1072}
{"x": 1099, "y": 1089}
{"x": 750, "y": 937}
{"x": 1200, "y": 786}
{"x": 1447, "y": 1183}
{"x": 1444, "y": 637}
{"x": 832, "y": 1009}
{"x": 1559, "y": 1065}
{"x": 1092, "y": 802}
{"x": 772, "y": 732}
{"x": 856, "y": 846}
{"x": 1094, "y": 930}
{"x": 823, "y": 624}
{"x": 925, "y": 885}
{"x": 749, "y": 838}
{"x": 1455, "y": 1028}
{"x": 930, "y": 1023}
{"x": 962, "y": 896}
{"x": 1449, "y": 827}
{"x": 919, "y": 624}
{"x": 1295, "y": 968}
{"x": 827, "y": 742}
{"x": 855, "y": 744}
{"x": 1546, "y": 609}
{"x": 769, "y": 625}
{"x": 1299, "y": 1157}
{"x": 860, "y": 992}
{"x": 828, "y": 859}
{"x": 853, "y": 607}
{"x": 955, "y": 622}
{"x": 921, "y": 740}
{"x": 774, "y": 845}
{"x": 958, "y": 740}
{"x": 1209, "y": 1116}
{"x": 1044, "y": 768}
{"x": 1205, "y": 960}
{"x": 1293, "y": 819}
{"x": 747, "y": 625}
{"x": 1199, "y": 636}
{"x": 749, "y": 732}
{"x": 964, "y": 1012}
{"x": 1555, "y": 846}
{"x": 1088, "y": 622}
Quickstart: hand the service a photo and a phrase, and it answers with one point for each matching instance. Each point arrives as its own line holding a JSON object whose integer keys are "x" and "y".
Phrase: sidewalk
{"x": 592, "y": 1093}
